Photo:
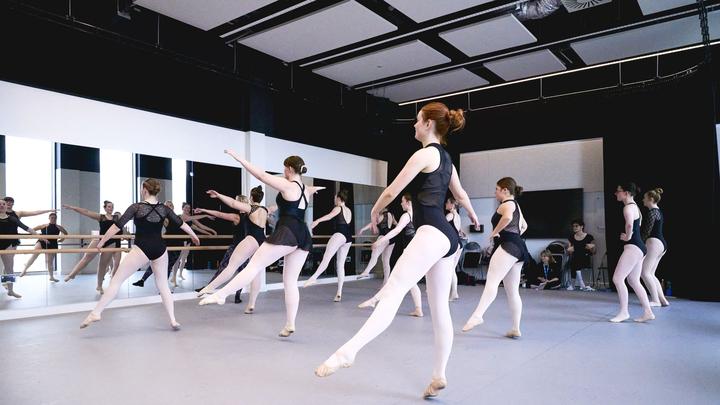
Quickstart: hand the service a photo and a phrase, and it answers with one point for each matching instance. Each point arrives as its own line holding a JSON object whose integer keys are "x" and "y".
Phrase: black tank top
{"x": 383, "y": 227}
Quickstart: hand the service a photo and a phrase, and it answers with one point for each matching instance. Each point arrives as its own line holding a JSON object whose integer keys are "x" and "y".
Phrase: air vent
{"x": 579, "y": 5}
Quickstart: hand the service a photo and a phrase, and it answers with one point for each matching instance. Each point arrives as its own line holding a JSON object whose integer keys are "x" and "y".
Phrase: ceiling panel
{"x": 324, "y": 30}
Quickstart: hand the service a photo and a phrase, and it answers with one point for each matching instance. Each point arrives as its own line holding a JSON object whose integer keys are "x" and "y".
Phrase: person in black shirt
{"x": 581, "y": 248}
{"x": 548, "y": 273}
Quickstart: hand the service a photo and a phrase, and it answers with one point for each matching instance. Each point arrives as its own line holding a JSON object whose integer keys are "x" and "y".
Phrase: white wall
{"x": 34, "y": 113}
{"x": 554, "y": 166}
{"x": 327, "y": 164}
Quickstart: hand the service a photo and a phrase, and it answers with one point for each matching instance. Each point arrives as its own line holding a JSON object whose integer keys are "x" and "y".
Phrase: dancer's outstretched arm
{"x": 230, "y": 202}
{"x": 335, "y": 211}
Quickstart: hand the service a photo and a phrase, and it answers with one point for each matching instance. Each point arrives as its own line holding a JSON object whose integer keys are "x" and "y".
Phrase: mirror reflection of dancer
{"x": 430, "y": 253}
{"x": 51, "y": 228}
{"x": 507, "y": 261}
{"x": 149, "y": 217}
{"x": 8, "y": 226}
{"x": 253, "y": 219}
{"x": 339, "y": 242}
{"x": 105, "y": 220}
{"x": 291, "y": 237}
{"x": 629, "y": 265}
{"x": 385, "y": 224}
{"x": 402, "y": 240}
{"x": 196, "y": 225}
{"x": 652, "y": 234}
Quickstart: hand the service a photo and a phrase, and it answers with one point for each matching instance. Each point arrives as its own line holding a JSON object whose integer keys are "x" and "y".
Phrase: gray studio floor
{"x": 569, "y": 354}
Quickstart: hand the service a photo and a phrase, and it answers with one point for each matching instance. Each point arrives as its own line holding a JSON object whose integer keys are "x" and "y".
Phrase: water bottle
{"x": 668, "y": 291}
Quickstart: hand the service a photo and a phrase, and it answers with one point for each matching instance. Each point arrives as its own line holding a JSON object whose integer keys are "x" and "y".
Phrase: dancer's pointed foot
{"x": 369, "y": 303}
{"x": 647, "y": 316}
{"x": 436, "y": 385}
{"x": 362, "y": 276}
{"x": 250, "y": 310}
{"x": 309, "y": 282}
{"x": 472, "y": 322}
{"x": 338, "y": 298}
{"x": 454, "y": 297}
{"x": 513, "y": 334}
{"x": 53, "y": 279}
{"x": 68, "y": 278}
{"x": 212, "y": 299}
{"x": 287, "y": 331}
{"x": 205, "y": 291}
{"x": 664, "y": 302}
{"x": 417, "y": 312}
{"x": 175, "y": 325}
{"x": 333, "y": 364}
{"x": 139, "y": 283}
{"x": 23, "y": 273}
{"x": 89, "y": 319}
{"x": 622, "y": 316}
{"x": 14, "y": 294}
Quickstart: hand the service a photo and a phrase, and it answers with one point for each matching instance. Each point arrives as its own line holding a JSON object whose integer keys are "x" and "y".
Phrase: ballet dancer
{"x": 291, "y": 237}
{"x": 171, "y": 228}
{"x": 8, "y": 226}
{"x": 51, "y": 228}
{"x": 105, "y": 221}
{"x": 507, "y": 260}
{"x": 254, "y": 220}
{"x": 430, "y": 253}
{"x": 402, "y": 240}
{"x": 385, "y": 224}
{"x": 629, "y": 265}
{"x": 652, "y": 234}
{"x": 339, "y": 242}
{"x": 149, "y": 216}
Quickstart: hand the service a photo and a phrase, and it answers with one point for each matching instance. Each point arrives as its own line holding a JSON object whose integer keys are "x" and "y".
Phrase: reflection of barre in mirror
{"x": 290, "y": 239}
{"x": 339, "y": 242}
{"x": 402, "y": 240}
{"x": 248, "y": 235}
{"x": 148, "y": 216}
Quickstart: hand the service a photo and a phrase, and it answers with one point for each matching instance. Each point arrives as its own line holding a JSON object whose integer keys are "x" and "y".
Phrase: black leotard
{"x": 635, "y": 239}
{"x": 510, "y": 239}
{"x": 252, "y": 229}
{"x": 149, "y": 219}
{"x": 105, "y": 224}
{"x": 383, "y": 227}
{"x": 429, "y": 190}
{"x": 51, "y": 229}
{"x": 291, "y": 229}
{"x": 9, "y": 226}
{"x": 653, "y": 227}
{"x": 341, "y": 226}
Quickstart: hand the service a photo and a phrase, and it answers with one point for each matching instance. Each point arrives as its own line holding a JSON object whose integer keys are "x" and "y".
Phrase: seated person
{"x": 548, "y": 273}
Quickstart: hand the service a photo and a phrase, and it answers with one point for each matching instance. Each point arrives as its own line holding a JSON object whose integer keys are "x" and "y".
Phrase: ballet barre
{"x": 114, "y": 250}
{"x": 126, "y": 236}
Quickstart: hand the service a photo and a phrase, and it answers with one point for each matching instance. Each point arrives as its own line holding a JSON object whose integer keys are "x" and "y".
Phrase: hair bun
{"x": 303, "y": 169}
{"x": 457, "y": 120}
{"x": 659, "y": 190}
{"x": 518, "y": 191}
